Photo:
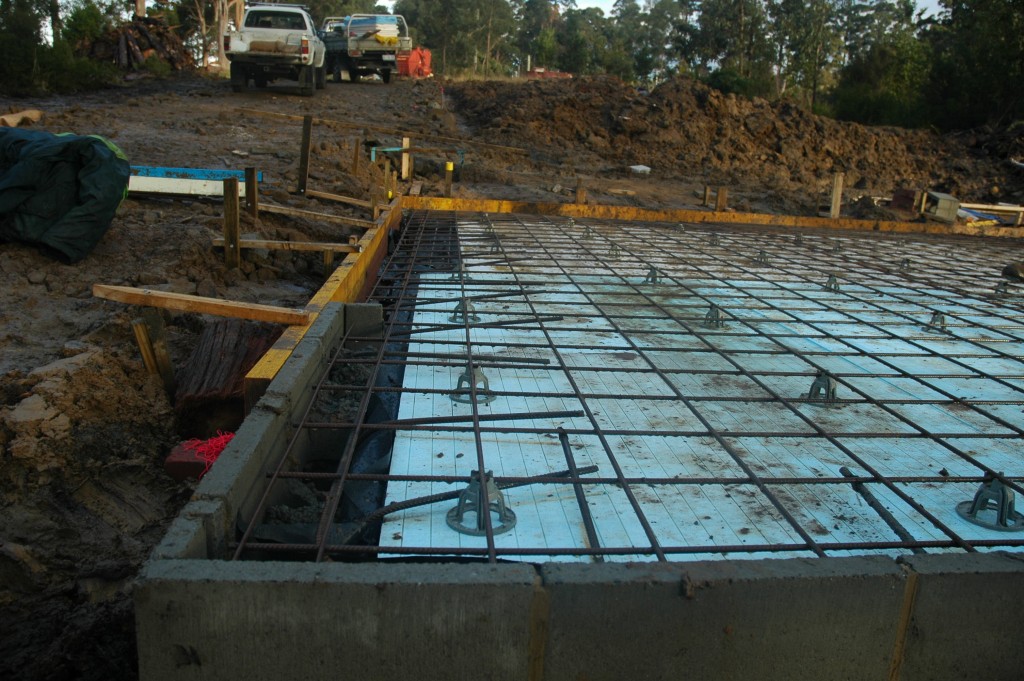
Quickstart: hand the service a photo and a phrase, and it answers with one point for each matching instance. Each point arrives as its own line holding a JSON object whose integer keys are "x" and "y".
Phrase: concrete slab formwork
{"x": 768, "y": 490}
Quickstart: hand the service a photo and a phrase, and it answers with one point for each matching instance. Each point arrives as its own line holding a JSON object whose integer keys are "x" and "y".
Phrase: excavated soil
{"x": 84, "y": 428}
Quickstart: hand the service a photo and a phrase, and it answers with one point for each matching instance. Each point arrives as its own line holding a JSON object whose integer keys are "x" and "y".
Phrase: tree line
{"x": 872, "y": 61}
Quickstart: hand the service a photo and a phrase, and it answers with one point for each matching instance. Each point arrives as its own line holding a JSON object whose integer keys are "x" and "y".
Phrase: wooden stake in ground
{"x": 837, "y": 195}
{"x": 157, "y": 337}
{"x": 232, "y": 229}
{"x": 721, "y": 199}
{"x": 307, "y": 138}
{"x": 252, "y": 193}
{"x": 449, "y": 170}
{"x": 406, "y": 158}
{"x": 581, "y": 191}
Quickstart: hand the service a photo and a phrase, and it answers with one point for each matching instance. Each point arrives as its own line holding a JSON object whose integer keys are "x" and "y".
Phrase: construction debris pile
{"x": 133, "y": 43}
{"x": 685, "y": 128}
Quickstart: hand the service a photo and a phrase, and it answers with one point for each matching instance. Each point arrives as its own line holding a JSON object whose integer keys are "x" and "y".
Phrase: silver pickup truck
{"x": 276, "y": 41}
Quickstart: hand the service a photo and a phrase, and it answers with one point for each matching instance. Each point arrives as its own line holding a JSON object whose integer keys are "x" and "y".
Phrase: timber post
{"x": 837, "y": 195}
{"x": 232, "y": 230}
{"x": 307, "y": 138}
{"x": 449, "y": 170}
{"x": 252, "y": 193}
{"x": 581, "y": 191}
{"x": 406, "y": 158}
{"x": 357, "y": 144}
{"x": 157, "y": 336}
{"x": 721, "y": 199}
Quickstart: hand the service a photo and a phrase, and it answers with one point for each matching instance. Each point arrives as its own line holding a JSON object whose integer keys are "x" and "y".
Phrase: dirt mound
{"x": 82, "y": 500}
{"x": 686, "y": 129}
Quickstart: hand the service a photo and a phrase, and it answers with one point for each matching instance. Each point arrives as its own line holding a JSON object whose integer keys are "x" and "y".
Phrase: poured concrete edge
{"x": 832, "y": 618}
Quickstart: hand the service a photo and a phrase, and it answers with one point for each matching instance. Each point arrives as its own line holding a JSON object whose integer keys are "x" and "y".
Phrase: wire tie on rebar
{"x": 937, "y": 324}
{"x": 713, "y": 317}
{"x": 1003, "y": 287}
{"x": 473, "y": 500}
{"x": 615, "y": 250}
{"x": 463, "y": 312}
{"x": 904, "y": 264}
{"x": 824, "y": 385}
{"x": 472, "y": 377}
{"x": 992, "y": 506}
{"x": 652, "y": 275}
{"x": 832, "y": 284}
{"x": 762, "y": 257}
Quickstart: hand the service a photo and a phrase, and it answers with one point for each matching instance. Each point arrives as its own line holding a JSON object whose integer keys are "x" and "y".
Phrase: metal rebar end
{"x": 615, "y": 250}
{"x": 832, "y": 284}
{"x": 588, "y": 232}
{"x": 652, "y": 275}
{"x": 762, "y": 257}
{"x": 716, "y": 240}
{"x": 992, "y": 507}
{"x": 471, "y": 500}
{"x": 823, "y": 388}
{"x": 472, "y": 377}
{"x": 904, "y": 264}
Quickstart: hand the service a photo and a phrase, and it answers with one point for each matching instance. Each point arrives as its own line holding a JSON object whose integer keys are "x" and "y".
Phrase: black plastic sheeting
{"x": 59, "y": 191}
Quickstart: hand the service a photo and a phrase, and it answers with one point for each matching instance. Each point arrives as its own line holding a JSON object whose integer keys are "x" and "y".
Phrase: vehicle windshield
{"x": 273, "y": 19}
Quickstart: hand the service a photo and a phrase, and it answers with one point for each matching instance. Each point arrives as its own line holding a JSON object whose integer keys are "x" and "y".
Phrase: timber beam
{"x": 696, "y": 216}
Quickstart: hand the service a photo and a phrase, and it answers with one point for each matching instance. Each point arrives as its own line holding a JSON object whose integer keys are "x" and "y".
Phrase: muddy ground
{"x": 84, "y": 428}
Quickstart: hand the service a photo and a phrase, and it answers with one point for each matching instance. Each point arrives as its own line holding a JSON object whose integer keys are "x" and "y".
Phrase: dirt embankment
{"x": 686, "y": 130}
{"x": 83, "y": 428}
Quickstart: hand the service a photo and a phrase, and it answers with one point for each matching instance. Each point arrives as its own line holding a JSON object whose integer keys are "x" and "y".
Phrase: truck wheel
{"x": 385, "y": 76}
{"x": 354, "y": 74}
{"x": 306, "y": 78}
{"x": 321, "y": 77}
{"x": 239, "y": 77}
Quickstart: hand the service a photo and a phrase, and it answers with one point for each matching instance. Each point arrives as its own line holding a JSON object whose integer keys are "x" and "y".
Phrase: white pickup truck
{"x": 276, "y": 41}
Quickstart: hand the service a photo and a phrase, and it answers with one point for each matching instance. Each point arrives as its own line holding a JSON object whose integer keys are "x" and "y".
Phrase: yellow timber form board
{"x": 695, "y": 216}
{"x": 343, "y": 286}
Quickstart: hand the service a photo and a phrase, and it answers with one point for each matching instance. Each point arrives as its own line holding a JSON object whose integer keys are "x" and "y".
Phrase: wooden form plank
{"x": 188, "y": 303}
{"x": 291, "y": 245}
{"x": 338, "y": 198}
{"x": 178, "y": 186}
{"x": 312, "y": 215}
{"x": 695, "y": 216}
{"x": 192, "y": 173}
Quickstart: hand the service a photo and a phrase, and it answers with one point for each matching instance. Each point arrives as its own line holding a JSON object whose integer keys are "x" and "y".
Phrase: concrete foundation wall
{"x": 199, "y": 616}
{"x": 839, "y": 618}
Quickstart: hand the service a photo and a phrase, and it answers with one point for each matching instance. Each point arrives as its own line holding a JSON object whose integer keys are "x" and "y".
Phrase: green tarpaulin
{"x": 59, "y": 191}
